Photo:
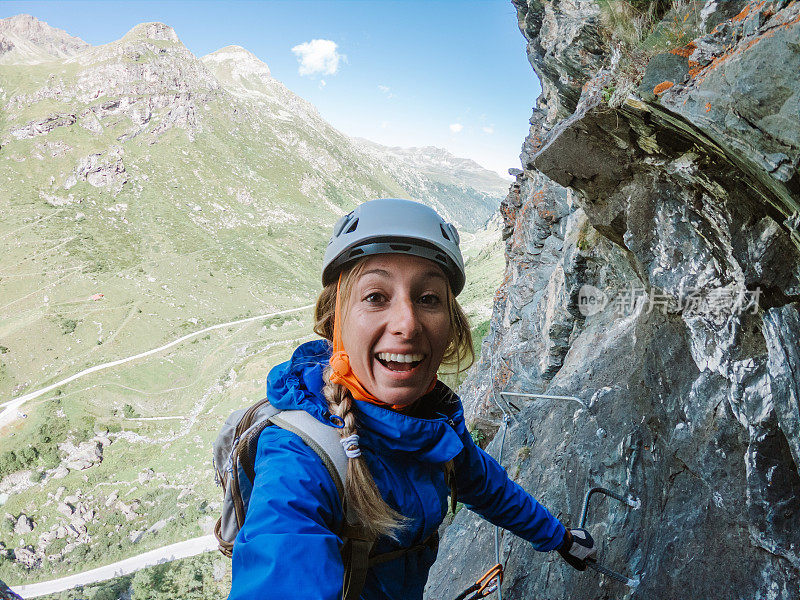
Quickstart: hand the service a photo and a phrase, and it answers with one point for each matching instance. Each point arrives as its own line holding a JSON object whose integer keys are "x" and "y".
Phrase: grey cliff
{"x": 677, "y": 199}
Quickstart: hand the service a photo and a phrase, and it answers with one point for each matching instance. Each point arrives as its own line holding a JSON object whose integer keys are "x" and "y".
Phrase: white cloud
{"x": 322, "y": 83}
{"x": 384, "y": 88}
{"x": 489, "y": 130}
{"x": 384, "y": 124}
{"x": 456, "y": 127}
{"x": 318, "y": 57}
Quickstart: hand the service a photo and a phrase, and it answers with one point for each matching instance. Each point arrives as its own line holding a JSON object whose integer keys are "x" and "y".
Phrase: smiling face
{"x": 396, "y": 326}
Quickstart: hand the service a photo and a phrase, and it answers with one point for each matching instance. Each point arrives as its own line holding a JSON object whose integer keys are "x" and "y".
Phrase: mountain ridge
{"x": 153, "y": 195}
{"x": 243, "y": 65}
{"x": 25, "y": 38}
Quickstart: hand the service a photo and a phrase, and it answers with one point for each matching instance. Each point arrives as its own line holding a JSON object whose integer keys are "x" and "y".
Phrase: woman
{"x": 390, "y": 319}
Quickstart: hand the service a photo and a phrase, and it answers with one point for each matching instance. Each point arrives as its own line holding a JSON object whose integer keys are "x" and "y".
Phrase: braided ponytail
{"x": 361, "y": 494}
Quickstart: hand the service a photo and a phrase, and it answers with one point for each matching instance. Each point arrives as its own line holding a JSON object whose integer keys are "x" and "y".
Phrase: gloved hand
{"x": 577, "y": 548}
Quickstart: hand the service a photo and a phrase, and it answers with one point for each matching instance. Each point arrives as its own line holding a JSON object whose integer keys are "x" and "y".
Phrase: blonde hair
{"x": 362, "y": 497}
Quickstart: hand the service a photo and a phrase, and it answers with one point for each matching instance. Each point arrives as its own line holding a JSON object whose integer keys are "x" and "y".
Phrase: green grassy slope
{"x": 186, "y": 199}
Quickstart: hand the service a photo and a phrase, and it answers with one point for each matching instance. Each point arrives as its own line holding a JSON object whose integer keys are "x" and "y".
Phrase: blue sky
{"x": 452, "y": 74}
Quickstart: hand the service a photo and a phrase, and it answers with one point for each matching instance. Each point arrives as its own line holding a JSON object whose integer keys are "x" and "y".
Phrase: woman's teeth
{"x": 401, "y": 358}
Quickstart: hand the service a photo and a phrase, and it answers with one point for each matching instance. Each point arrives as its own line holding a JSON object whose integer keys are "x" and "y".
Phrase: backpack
{"x": 234, "y": 465}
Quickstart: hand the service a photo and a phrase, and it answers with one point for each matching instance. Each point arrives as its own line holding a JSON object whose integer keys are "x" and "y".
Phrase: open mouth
{"x": 399, "y": 362}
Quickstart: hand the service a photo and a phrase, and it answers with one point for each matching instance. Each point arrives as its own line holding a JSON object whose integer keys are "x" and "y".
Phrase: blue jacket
{"x": 288, "y": 546}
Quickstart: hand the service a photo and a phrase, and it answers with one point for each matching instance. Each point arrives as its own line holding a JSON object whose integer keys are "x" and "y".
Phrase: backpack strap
{"x": 355, "y": 559}
{"x": 253, "y": 422}
{"x": 431, "y": 543}
{"x": 322, "y": 439}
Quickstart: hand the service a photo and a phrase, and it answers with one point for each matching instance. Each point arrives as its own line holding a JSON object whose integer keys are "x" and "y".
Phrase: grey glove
{"x": 577, "y": 548}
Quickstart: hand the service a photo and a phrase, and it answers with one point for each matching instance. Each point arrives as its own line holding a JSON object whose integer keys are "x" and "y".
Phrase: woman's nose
{"x": 404, "y": 319}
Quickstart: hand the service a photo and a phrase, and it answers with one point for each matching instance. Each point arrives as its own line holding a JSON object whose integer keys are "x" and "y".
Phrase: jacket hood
{"x": 297, "y": 384}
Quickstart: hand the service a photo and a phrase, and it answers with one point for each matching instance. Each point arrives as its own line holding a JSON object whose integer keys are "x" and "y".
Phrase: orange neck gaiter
{"x": 340, "y": 364}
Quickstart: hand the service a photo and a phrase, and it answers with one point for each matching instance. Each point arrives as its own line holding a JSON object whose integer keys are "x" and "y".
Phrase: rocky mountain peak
{"x": 26, "y": 39}
{"x": 447, "y": 167}
{"x": 234, "y": 64}
{"x": 239, "y": 57}
{"x": 153, "y": 31}
{"x": 151, "y": 66}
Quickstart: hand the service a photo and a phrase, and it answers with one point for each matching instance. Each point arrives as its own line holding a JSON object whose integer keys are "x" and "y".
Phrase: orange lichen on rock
{"x": 509, "y": 214}
{"x": 742, "y": 15}
{"x": 708, "y": 106}
{"x": 790, "y": 23}
{"x": 504, "y": 376}
{"x": 733, "y": 51}
{"x": 502, "y": 292}
{"x": 736, "y": 50}
{"x": 746, "y": 11}
{"x": 685, "y": 51}
{"x": 536, "y": 142}
{"x": 662, "y": 87}
{"x": 518, "y": 238}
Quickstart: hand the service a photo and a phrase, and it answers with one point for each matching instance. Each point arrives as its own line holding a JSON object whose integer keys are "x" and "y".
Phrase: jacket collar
{"x": 297, "y": 384}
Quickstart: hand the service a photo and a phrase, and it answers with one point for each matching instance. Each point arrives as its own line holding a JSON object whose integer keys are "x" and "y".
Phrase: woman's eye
{"x": 374, "y": 298}
{"x": 430, "y": 299}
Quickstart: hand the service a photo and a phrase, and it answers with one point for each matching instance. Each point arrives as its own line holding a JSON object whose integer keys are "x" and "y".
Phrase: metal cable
{"x": 545, "y": 396}
{"x": 496, "y": 528}
{"x": 630, "y": 501}
{"x": 506, "y": 417}
{"x": 631, "y": 583}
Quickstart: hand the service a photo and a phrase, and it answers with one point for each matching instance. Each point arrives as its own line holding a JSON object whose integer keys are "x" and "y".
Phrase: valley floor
{"x": 169, "y": 553}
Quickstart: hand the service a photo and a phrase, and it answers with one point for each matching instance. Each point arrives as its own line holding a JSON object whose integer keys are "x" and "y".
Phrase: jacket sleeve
{"x": 484, "y": 487}
{"x": 287, "y": 547}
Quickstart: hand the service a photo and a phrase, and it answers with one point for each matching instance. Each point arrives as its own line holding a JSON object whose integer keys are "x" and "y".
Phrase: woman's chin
{"x": 401, "y": 399}
{"x": 400, "y": 388}
{"x": 401, "y": 395}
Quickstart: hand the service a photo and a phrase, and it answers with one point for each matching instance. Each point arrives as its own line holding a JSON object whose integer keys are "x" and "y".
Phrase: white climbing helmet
{"x": 394, "y": 226}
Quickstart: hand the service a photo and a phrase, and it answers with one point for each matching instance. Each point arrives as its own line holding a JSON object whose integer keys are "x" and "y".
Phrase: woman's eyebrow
{"x": 387, "y": 275}
{"x": 380, "y": 272}
{"x": 438, "y": 274}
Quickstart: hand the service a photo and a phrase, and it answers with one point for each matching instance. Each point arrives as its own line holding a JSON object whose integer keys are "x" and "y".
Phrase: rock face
{"x": 25, "y": 38}
{"x": 653, "y": 273}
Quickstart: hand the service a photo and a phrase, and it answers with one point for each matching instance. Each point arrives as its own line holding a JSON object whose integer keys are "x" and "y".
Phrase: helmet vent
{"x": 400, "y": 247}
{"x": 356, "y": 252}
{"x": 444, "y": 233}
{"x": 352, "y": 227}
